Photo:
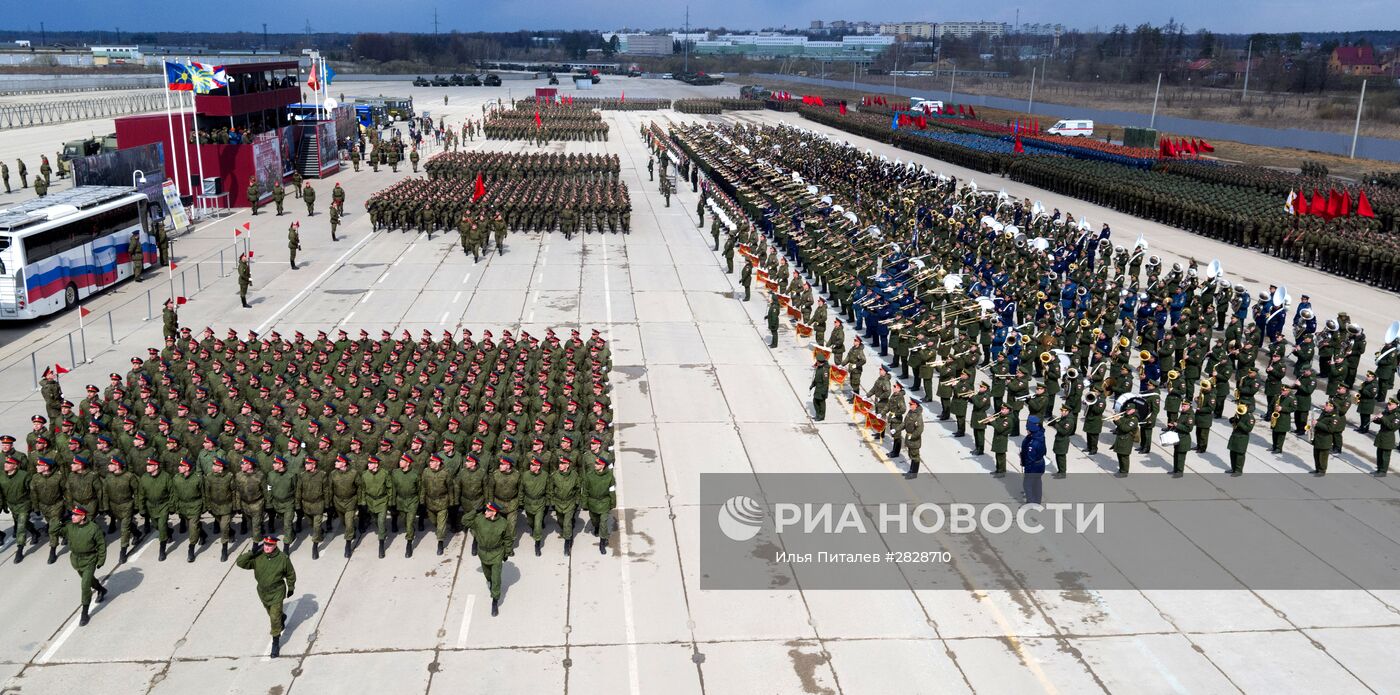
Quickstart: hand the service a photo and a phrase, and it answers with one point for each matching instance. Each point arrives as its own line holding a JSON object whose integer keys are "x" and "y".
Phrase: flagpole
{"x": 194, "y": 131}
{"x": 170, "y": 125}
{"x": 198, "y": 152}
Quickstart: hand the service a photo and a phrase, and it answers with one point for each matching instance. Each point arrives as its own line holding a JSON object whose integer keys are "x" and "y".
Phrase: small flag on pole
{"x": 83, "y": 311}
{"x": 480, "y": 189}
{"x": 59, "y": 369}
{"x": 181, "y": 300}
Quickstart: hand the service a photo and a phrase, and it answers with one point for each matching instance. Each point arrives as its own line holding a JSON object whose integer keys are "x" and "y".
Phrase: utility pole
{"x": 264, "y": 36}
{"x": 1153, "y": 122}
{"x": 435, "y": 22}
{"x": 43, "y": 35}
{"x": 895, "y": 71}
{"x": 953, "y": 83}
{"x": 1248, "y": 60}
{"x": 1030, "y": 103}
{"x": 685, "y": 43}
{"x": 1356, "y": 131}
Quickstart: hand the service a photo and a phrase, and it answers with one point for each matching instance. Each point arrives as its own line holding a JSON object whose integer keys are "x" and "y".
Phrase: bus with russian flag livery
{"x": 59, "y": 249}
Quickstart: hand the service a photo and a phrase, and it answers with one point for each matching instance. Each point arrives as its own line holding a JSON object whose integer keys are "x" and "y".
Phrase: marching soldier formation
{"x": 544, "y": 123}
{"x": 1001, "y": 310}
{"x": 259, "y": 434}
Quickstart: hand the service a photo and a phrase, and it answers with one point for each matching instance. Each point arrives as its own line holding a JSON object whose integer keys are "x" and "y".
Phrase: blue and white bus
{"x": 56, "y": 250}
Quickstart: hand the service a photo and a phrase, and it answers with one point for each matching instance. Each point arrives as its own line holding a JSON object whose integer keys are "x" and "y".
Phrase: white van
{"x": 1079, "y": 129}
{"x": 925, "y": 105}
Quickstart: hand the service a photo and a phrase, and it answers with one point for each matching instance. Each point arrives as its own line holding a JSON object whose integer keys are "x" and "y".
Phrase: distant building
{"x": 918, "y": 30}
{"x": 768, "y": 45}
{"x": 1354, "y": 60}
{"x": 817, "y": 25}
{"x": 115, "y": 55}
{"x": 1041, "y": 29}
{"x": 966, "y": 30}
{"x": 645, "y": 44}
{"x": 837, "y": 24}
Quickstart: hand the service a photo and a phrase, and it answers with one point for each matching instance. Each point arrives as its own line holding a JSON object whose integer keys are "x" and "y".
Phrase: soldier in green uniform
{"x": 1324, "y": 433}
{"x": 276, "y": 580}
{"x": 1125, "y": 431}
{"x": 534, "y": 494}
{"x": 46, "y": 497}
{"x": 746, "y": 279}
{"x": 250, "y": 485}
{"x": 345, "y": 497}
{"x": 282, "y": 499}
{"x": 439, "y": 493}
{"x": 5, "y": 174}
{"x": 599, "y": 496}
{"x": 979, "y": 404}
{"x": 498, "y": 227}
{"x": 278, "y": 195}
{"x": 293, "y": 245}
{"x": 41, "y": 186}
{"x": 308, "y": 196}
{"x": 187, "y": 492}
{"x": 296, "y": 183}
{"x": 775, "y": 308}
{"x": 1242, "y": 424}
{"x": 912, "y": 430}
{"x": 245, "y": 278}
{"x": 472, "y": 482}
{"x": 405, "y": 482}
{"x": 1064, "y": 425}
{"x": 821, "y": 375}
{"x": 492, "y": 538}
{"x": 413, "y": 159}
{"x": 355, "y": 157}
{"x": 1001, "y": 436}
{"x": 1182, "y": 422}
{"x": 23, "y": 173}
{"x": 313, "y": 491}
{"x": 87, "y": 551}
{"x": 1388, "y": 422}
{"x": 335, "y": 221}
{"x": 376, "y": 494}
{"x": 565, "y": 491}
{"x": 135, "y": 256}
{"x": 221, "y": 498}
{"x": 254, "y": 193}
{"x": 155, "y": 496}
{"x": 15, "y": 498}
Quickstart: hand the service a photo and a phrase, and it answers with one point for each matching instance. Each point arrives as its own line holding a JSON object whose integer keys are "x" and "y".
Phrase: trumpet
{"x": 989, "y": 418}
{"x": 966, "y": 394}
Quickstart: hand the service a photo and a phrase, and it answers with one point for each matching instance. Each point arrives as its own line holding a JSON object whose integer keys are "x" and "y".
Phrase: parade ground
{"x": 696, "y": 389}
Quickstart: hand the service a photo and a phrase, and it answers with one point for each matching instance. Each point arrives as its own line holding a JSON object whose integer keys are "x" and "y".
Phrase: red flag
{"x": 960, "y": 109}
{"x": 1190, "y": 148}
{"x": 624, "y": 97}
{"x": 1345, "y": 209}
{"x": 1018, "y": 149}
{"x": 1319, "y": 205}
{"x": 1300, "y": 206}
{"x": 1363, "y": 206}
{"x": 1334, "y": 203}
{"x": 480, "y": 188}
{"x": 83, "y": 311}
{"x": 538, "y": 123}
{"x": 923, "y": 123}
{"x": 173, "y": 266}
{"x": 311, "y": 80}
{"x": 58, "y": 368}
{"x": 1205, "y": 147}
{"x": 971, "y": 111}
{"x": 180, "y": 300}
{"x": 842, "y": 106}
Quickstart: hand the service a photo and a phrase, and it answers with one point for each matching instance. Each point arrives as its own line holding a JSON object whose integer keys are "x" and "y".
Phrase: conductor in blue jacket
{"x": 1032, "y": 459}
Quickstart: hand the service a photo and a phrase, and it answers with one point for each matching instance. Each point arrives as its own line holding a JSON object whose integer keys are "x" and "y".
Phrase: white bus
{"x": 56, "y": 250}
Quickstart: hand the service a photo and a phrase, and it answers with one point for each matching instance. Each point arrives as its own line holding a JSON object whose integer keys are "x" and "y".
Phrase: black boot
{"x": 101, "y": 592}
{"x": 189, "y": 554}
{"x": 408, "y": 549}
{"x": 53, "y": 554}
{"x": 19, "y": 554}
{"x": 568, "y": 546}
{"x": 381, "y": 548}
{"x": 223, "y": 552}
{"x": 184, "y": 525}
{"x": 538, "y": 546}
{"x": 495, "y": 607}
{"x": 162, "y": 551}
{"x": 122, "y": 558}
{"x": 441, "y": 546}
{"x": 276, "y": 647}
{"x": 348, "y": 549}
{"x": 315, "y": 550}
{"x": 111, "y": 525}
{"x": 898, "y": 444}
{"x": 242, "y": 527}
{"x": 83, "y": 621}
{"x": 603, "y": 546}
{"x": 146, "y": 526}
{"x": 473, "y": 546}
{"x": 394, "y": 522}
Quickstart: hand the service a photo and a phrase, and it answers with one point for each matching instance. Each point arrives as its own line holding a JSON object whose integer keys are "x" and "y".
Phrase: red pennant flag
{"x": 1319, "y": 204}
{"x": 538, "y": 122}
{"x": 960, "y": 109}
{"x": 1300, "y": 206}
{"x": 173, "y": 266}
{"x": 1334, "y": 203}
{"x": 180, "y": 300}
{"x": 1018, "y": 149}
{"x": 58, "y": 368}
{"x": 971, "y": 111}
{"x": 83, "y": 311}
{"x": 842, "y": 106}
{"x": 1363, "y": 206}
{"x": 1190, "y": 148}
{"x": 480, "y": 188}
{"x": 1206, "y": 147}
{"x": 624, "y": 97}
{"x": 1345, "y": 208}
{"x": 923, "y": 123}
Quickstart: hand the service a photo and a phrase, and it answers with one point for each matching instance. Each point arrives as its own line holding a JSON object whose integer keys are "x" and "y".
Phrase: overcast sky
{"x": 1235, "y": 16}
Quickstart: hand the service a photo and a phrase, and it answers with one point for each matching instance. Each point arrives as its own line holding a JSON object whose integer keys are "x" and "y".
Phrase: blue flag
{"x": 330, "y": 73}
{"x": 894, "y": 121}
{"x": 177, "y": 77}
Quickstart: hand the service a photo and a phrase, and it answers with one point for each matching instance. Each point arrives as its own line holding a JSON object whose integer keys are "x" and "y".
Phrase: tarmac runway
{"x": 697, "y": 390}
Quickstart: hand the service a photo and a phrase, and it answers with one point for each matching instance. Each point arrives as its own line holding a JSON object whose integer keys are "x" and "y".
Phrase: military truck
{"x": 74, "y": 149}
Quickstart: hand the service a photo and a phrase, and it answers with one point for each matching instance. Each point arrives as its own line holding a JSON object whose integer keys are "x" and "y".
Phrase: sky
{"x": 1230, "y": 16}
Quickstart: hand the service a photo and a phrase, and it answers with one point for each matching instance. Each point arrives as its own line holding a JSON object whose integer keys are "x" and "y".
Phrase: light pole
{"x": 1030, "y": 103}
{"x": 1248, "y": 60}
{"x": 134, "y": 177}
{"x": 953, "y": 82}
{"x": 1153, "y": 122}
{"x": 1356, "y": 131}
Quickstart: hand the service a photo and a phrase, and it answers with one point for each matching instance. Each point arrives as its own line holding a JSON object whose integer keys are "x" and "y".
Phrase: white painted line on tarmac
{"x": 348, "y": 317}
{"x": 456, "y": 297}
{"x": 62, "y": 637}
{"x": 367, "y": 296}
{"x": 443, "y": 320}
{"x": 466, "y": 621}
{"x": 466, "y": 277}
{"x": 152, "y": 538}
{"x": 332, "y": 267}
